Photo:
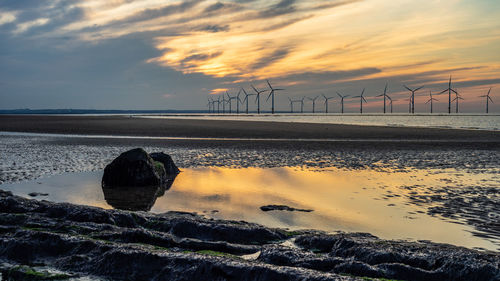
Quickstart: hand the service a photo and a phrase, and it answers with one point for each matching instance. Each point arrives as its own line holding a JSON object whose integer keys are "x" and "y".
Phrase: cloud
{"x": 271, "y": 58}
{"x": 309, "y": 46}
{"x": 23, "y": 27}
{"x": 7, "y": 17}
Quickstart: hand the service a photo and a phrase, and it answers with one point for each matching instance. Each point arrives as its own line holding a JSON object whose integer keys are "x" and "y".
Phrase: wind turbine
{"x": 430, "y": 100}
{"x": 223, "y": 104}
{"x": 456, "y": 99}
{"x": 361, "y": 100}
{"x": 326, "y": 102}
{"x": 271, "y": 93}
{"x": 238, "y": 100}
{"x": 413, "y": 97}
{"x": 342, "y": 101}
{"x": 384, "y": 95}
{"x": 291, "y": 104}
{"x": 488, "y": 99}
{"x": 246, "y": 98}
{"x": 257, "y": 99}
{"x": 313, "y": 102}
{"x": 218, "y": 104}
{"x": 301, "y": 104}
{"x": 390, "y": 102}
{"x": 449, "y": 95}
{"x": 229, "y": 99}
{"x": 210, "y": 105}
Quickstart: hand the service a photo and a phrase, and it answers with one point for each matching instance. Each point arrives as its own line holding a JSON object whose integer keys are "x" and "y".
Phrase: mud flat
{"x": 130, "y": 126}
{"x": 79, "y": 241}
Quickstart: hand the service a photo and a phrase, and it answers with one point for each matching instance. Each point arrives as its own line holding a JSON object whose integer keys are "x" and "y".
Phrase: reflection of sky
{"x": 153, "y": 54}
{"x": 341, "y": 199}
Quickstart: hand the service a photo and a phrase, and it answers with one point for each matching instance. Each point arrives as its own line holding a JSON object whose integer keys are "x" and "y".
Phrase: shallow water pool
{"x": 383, "y": 203}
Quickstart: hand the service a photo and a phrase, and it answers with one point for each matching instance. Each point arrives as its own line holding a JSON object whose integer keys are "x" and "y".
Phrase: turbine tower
{"x": 326, "y": 102}
{"x": 342, "y": 101}
{"x": 271, "y": 94}
{"x": 246, "y": 98}
{"x": 384, "y": 95}
{"x": 301, "y": 104}
{"x": 218, "y": 105}
{"x": 313, "y": 102}
{"x": 257, "y": 99}
{"x": 412, "y": 97}
{"x": 229, "y": 99}
{"x": 223, "y": 104}
{"x": 361, "y": 100}
{"x": 291, "y": 104}
{"x": 430, "y": 100}
{"x": 210, "y": 105}
{"x": 488, "y": 99}
{"x": 456, "y": 99}
{"x": 449, "y": 90}
{"x": 390, "y": 102}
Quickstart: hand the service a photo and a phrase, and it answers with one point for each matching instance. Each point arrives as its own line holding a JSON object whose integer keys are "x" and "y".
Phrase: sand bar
{"x": 130, "y": 126}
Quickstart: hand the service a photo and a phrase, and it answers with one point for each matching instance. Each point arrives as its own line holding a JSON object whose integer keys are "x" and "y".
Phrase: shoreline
{"x": 237, "y": 130}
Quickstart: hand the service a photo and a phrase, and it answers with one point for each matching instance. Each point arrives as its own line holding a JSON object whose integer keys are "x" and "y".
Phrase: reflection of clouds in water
{"x": 341, "y": 199}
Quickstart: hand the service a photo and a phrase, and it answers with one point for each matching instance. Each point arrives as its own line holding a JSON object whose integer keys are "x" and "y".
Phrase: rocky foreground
{"x": 38, "y": 238}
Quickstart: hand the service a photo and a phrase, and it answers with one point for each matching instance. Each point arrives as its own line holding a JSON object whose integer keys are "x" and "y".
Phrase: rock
{"x": 35, "y": 194}
{"x": 169, "y": 165}
{"x": 91, "y": 243}
{"x": 134, "y": 168}
{"x": 268, "y": 208}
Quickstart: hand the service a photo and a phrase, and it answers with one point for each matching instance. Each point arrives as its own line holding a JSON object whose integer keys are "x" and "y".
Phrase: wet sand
{"x": 132, "y": 126}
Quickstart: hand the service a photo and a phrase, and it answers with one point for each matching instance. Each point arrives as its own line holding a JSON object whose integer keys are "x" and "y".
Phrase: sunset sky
{"x": 152, "y": 54}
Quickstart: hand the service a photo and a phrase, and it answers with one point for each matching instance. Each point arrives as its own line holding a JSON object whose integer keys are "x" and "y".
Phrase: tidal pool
{"x": 383, "y": 203}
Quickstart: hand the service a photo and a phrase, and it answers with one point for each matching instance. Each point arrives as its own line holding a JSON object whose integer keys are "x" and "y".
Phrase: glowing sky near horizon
{"x": 172, "y": 54}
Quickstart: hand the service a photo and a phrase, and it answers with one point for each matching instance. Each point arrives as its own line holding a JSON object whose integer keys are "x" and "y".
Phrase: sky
{"x": 167, "y": 54}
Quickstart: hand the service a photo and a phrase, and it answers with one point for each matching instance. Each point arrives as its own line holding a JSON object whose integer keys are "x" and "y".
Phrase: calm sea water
{"x": 457, "y": 121}
{"x": 348, "y": 200}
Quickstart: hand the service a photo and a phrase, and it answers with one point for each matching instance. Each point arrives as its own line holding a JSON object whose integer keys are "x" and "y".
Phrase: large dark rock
{"x": 135, "y": 168}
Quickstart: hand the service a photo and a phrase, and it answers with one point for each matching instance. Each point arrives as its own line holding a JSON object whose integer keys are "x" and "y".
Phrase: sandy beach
{"x": 131, "y": 126}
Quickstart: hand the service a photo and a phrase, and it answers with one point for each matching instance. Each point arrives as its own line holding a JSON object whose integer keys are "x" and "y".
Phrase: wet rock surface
{"x": 121, "y": 245}
{"x": 268, "y": 208}
{"x": 134, "y": 168}
{"x": 35, "y": 194}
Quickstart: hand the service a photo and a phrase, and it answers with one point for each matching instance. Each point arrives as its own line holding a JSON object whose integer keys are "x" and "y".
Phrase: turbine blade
{"x": 427, "y": 101}
{"x": 490, "y": 100}
{"x": 269, "y": 95}
{"x": 255, "y": 89}
{"x": 363, "y": 92}
{"x": 454, "y": 91}
{"x": 269, "y": 84}
{"x": 418, "y": 88}
{"x": 408, "y": 88}
{"x": 364, "y": 99}
{"x": 339, "y": 94}
{"x": 489, "y": 92}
